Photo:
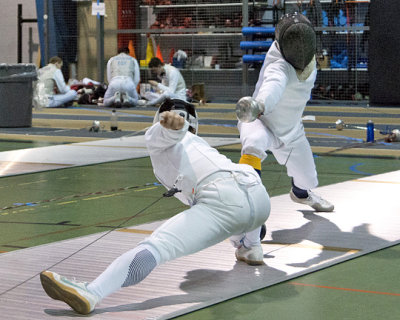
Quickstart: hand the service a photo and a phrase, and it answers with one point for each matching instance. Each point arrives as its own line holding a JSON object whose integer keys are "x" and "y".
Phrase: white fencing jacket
{"x": 173, "y": 82}
{"x": 123, "y": 65}
{"x": 283, "y": 94}
{"x": 183, "y": 160}
{"x": 52, "y": 77}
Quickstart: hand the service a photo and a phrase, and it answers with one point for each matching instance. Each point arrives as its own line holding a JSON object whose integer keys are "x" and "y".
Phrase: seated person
{"x": 172, "y": 84}
{"x": 123, "y": 76}
{"x": 51, "y": 90}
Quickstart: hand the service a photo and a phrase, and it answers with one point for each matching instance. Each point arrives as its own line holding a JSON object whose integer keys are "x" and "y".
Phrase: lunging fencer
{"x": 272, "y": 118}
{"x": 123, "y": 75}
{"x": 227, "y": 200}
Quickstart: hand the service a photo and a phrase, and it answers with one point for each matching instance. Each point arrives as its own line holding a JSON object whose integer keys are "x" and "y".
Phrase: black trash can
{"x": 16, "y": 90}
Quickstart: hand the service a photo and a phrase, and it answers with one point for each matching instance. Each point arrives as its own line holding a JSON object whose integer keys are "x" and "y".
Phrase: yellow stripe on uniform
{"x": 254, "y": 161}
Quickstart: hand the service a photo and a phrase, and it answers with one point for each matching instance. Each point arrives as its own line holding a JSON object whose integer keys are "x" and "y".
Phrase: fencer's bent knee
{"x": 262, "y": 205}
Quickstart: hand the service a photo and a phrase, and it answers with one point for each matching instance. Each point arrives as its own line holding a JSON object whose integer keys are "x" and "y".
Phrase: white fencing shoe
{"x": 117, "y": 100}
{"x": 313, "y": 200}
{"x": 127, "y": 101}
{"x": 141, "y": 102}
{"x": 73, "y": 293}
{"x": 253, "y": 256}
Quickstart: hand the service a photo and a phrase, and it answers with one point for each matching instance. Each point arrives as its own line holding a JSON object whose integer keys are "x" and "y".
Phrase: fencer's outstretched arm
{"x": 275, "y": 79}
{"x": 172, "y": 120}
{"x": 169, "y": 131}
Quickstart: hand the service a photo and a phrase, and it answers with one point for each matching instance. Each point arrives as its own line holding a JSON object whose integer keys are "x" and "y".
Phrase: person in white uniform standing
{"x": 51, "y": 90}
{"x": 123, "y": 75}
{"x": 172, "y": 84}
{"x": 227, "y": 200}
{"x": 281, "y": 93}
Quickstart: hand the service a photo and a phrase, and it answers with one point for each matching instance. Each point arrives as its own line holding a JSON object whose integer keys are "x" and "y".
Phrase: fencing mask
{"x": 181, "y": 107}
{"x": 296, "y": 39}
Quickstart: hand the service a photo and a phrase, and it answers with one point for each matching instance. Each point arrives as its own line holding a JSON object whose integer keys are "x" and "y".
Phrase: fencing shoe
{"x": 314, "y": 201}
{"x": 117, "y": 100}
{"x": 127, "y": 101}
{"x": 253, "y": 256}
{"x": 141, "y": 102}
{"x": 73, "y": 293}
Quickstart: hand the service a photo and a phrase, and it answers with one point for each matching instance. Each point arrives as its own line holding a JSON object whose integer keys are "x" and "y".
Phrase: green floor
{"x": 6, "y": 145}
{"x": 363, "y": 288}
{"x": 55, "y": 205}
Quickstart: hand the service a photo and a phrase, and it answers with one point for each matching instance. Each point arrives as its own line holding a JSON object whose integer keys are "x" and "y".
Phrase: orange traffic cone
{"x": 158, "y": 54}
{"x": 131, "y": 49}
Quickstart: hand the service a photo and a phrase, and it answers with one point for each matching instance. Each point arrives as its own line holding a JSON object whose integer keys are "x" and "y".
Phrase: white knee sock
{"x": 128, "y": 269}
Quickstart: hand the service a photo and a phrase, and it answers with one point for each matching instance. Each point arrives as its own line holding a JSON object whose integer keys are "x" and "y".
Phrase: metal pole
{"x": 100, "y": 46}
{"x": 137, "y": 38}
{"x": 19, "y": 52}
{"x": 21, "y": 20}
{"x": 30, "y": 45}
{"x": 245, "y": 68}
{"x": 46, "y": 31}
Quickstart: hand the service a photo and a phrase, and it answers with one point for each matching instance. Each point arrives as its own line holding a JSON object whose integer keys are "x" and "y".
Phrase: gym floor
{"x": 47, "y": 206}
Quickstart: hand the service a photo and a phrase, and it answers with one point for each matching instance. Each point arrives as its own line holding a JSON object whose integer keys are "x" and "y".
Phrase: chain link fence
{"x": 203, "y": 38}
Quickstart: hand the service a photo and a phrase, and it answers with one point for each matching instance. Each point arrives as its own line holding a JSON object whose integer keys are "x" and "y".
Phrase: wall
{"x": 9, "y": 31}
{"x": 87, "y": 43}
{"x": 384, "y": 56}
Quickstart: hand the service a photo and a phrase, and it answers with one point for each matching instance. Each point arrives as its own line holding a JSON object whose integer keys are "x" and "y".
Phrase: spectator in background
{"x": 172, "y": 84}
{"x": 51, "y": 90}
{"x": 123, "y": 76}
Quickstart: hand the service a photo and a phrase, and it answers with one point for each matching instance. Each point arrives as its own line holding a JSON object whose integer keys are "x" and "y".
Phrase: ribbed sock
{"x": 128, "y": 269}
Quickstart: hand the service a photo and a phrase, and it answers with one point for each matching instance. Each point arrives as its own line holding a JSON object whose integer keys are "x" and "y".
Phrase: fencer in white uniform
{"x": 123, "y": 75}
{"x": 172, "y": 84}
{"x": 226, "y": 200}
{"x": 51, "y": 90}
{"x": 283, "y": 89}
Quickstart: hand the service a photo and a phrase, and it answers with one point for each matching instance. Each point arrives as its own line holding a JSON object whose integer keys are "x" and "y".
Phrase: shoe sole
{"x": 315, "y": 207}
{"x": 58, "y": 291}
{"x": 319, "y": 209}
{"x": 250, "y": 262}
